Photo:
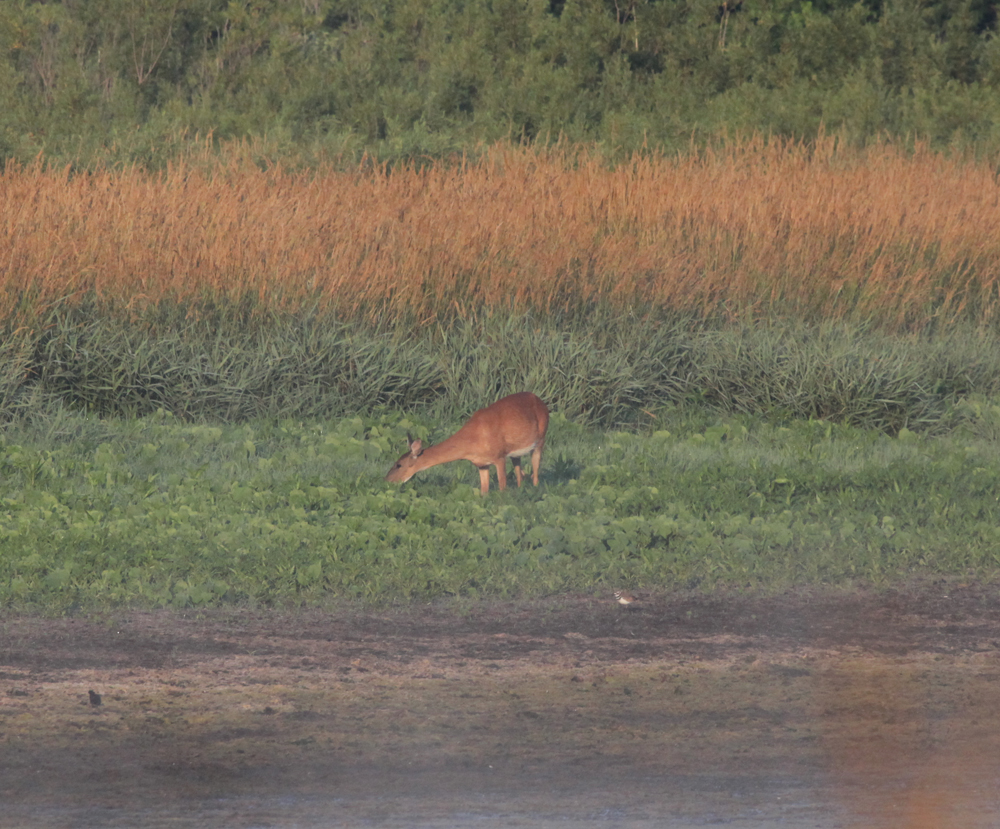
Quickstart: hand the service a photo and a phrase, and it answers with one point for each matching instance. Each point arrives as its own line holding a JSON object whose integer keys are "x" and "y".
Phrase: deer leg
{"x": 536, "y": 462}
{"x": 501, "y": 466}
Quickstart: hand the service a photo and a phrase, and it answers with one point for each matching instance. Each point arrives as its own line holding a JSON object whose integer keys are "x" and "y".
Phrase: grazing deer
{"x": 510, "y": 428}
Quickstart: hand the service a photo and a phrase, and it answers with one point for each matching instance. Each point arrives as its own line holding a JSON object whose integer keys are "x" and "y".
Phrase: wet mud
{"x": 812, "y": 708}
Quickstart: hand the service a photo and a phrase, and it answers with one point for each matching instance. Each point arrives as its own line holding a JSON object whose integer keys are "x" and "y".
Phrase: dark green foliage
{"x": 846, "y": 375}
{"x": 135, "y": 80}
{"x": 597, "y": 366}
{"x": 225, "y": 367}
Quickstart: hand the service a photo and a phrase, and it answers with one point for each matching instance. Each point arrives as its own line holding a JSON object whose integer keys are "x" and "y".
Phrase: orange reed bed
{"x": 899, "y": 236}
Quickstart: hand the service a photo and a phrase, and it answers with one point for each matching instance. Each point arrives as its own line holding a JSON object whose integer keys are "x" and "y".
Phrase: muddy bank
{"x": 812, "y": 708}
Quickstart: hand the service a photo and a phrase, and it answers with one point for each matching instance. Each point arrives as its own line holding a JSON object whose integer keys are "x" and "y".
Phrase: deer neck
{"x": 449, "y": 449}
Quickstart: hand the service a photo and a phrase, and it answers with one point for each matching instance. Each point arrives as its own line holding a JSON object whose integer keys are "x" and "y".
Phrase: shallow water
{"x": 680, "y": 803}
{"x": 813, "y": 712}
{"x": 559, "y": 799}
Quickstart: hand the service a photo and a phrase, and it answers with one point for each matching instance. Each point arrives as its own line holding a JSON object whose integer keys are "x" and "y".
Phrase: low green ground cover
{"x": 155, "y": 511}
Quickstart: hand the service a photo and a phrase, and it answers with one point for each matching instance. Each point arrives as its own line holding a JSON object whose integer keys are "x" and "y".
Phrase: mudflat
{"x": 809, "y": 708}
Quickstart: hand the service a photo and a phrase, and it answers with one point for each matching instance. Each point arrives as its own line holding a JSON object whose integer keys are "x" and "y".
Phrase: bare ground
{"x": 813, "y": 708}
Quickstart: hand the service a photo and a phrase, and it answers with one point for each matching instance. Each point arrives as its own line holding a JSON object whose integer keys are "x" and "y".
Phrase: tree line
{"x": 136, "y": 80}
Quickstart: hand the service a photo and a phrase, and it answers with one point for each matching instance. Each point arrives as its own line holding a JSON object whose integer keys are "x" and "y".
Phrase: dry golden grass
{"x": 894, "y": 235}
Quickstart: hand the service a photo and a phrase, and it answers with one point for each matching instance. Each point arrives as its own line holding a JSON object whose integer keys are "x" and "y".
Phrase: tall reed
{"x": 905, "y": 238}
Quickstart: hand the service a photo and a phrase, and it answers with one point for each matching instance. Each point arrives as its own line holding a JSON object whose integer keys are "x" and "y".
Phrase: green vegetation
{"x": 157, "y": 512}
{"x": 601, "y": 368}
{"x": 781, "y": 289}
{"x": 139, "y": 80}
{"x": 167, "y": 460}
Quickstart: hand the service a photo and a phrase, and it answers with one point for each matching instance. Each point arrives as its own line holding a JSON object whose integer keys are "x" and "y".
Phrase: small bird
{"x": 625, "y": 599}
{"x": 95, "y": 699}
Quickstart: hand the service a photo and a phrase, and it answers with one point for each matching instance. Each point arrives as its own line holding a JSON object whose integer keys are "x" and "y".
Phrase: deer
{"x": 512, "y": 427}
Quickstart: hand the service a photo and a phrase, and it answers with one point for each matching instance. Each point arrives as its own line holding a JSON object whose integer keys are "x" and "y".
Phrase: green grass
{"x": 158, "y": 512}
{"x": 598, "y": 366}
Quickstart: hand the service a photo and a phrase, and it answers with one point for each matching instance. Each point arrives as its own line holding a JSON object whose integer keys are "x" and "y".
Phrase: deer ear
{"x": 415, "y": 446}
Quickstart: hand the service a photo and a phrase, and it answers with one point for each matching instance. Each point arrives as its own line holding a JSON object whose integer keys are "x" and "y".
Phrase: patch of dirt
{"x": 825, "y": 708}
